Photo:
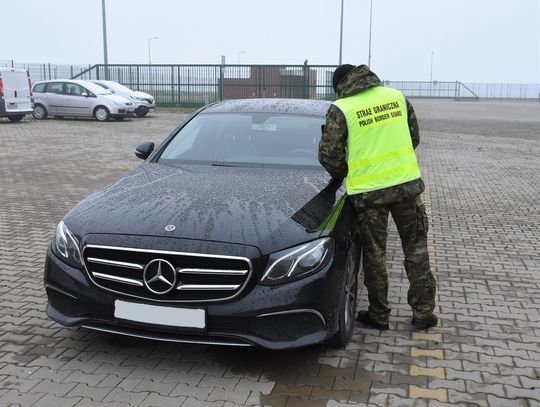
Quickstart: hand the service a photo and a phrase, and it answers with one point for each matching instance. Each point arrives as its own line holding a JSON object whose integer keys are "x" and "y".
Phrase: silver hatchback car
{"x": 76, "y": 98}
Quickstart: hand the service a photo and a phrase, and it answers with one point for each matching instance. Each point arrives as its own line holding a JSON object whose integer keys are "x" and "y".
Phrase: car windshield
{"x": 115, "y": 86}
{"x": 247, "y": 139}
{"x": 96, "y": 89}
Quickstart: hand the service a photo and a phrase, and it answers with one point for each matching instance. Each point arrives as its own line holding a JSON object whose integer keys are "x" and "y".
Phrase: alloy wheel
{"x": 39, "y": 112}
{"x": 350, "y": 287}
{"x": 101, "y": 114}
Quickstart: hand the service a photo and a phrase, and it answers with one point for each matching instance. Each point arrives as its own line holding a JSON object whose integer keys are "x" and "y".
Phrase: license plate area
{"x": 194, "y": 318}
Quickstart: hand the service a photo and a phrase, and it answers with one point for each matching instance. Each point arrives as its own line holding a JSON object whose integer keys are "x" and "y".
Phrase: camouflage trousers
{"x": 410, "y": 217}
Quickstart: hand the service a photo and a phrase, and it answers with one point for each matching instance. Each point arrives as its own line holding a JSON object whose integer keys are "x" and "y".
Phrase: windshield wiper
{"x": 224, "y": 165}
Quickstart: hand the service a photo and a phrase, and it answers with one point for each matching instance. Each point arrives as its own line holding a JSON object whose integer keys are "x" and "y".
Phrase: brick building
{"x": 270, "y": 82}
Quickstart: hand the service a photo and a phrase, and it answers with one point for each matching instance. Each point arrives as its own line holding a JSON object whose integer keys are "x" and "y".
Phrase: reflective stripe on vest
{"x": 380, "y": 153}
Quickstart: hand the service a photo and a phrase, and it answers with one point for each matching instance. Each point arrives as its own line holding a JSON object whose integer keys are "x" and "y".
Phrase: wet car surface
{"x": 231, "y": 225}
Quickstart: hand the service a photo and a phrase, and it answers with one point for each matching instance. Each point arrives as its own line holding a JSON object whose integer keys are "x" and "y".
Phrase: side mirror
{"x": 84, "y": 94}
{"x": 144, "y": 150}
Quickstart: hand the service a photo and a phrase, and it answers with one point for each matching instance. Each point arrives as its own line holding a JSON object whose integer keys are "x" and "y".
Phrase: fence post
{"x": 221, "y": 77}
{"x": 12, "y": 64}
{"x": 172, "y": 85}
{"x": 188, "y": 87}
{"x": 306, "y": 80}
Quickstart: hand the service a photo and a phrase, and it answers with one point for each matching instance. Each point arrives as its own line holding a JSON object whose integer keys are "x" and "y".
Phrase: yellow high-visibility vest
{"x": 380, "y": 153}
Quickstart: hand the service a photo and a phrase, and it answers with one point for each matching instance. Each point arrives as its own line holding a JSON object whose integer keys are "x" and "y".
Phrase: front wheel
{"x": 16, "y": 118}
{"x": 39, "y": 113}
{"x": 101, "y": 113}
{"x": 141, "y": 111}
{"x": 347, "y": 304}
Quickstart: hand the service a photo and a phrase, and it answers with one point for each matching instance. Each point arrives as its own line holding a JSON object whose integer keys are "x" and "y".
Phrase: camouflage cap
{"x": 340, "y": 73}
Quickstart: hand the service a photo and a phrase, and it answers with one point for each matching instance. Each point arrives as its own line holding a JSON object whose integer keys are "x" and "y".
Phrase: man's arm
{"x": 333, "y": 145}
{"x": 413, "y": 125}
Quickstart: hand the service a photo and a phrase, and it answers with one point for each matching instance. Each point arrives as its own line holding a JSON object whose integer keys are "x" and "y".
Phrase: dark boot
{"x": 364, "y": 318}
{"x": 425, "y": 323}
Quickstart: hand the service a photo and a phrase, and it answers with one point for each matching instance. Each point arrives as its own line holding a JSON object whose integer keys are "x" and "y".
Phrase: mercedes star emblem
{"x": 170, "y": 228}
{"x": 159, "y": 276}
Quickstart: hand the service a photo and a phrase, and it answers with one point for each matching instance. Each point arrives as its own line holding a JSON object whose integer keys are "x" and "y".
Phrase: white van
{"x": 15, "y": 93}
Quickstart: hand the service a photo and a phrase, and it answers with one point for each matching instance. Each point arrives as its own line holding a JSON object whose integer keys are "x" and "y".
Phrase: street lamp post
{"x": 105, "y": 59}
{"x": 431, "y": 68}
{"x": 149, "y": 52}
{"x": 240, "y": 53}
{"x": 341, "y": 35}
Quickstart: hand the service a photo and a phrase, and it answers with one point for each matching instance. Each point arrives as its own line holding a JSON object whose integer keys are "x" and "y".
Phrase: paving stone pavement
{"x": 481, "y": 164}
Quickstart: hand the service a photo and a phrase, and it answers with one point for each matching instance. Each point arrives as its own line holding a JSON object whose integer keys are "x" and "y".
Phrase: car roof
{"x": 77, "y": 81}
{"x": 303, "y": 107}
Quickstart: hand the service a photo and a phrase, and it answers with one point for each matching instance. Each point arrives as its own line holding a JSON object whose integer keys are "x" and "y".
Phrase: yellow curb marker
{"x": 435, "y": 353}
{"x": 437, "y": 372}
{"x": 416, "y": 392}
{"x": 418, "y": 336}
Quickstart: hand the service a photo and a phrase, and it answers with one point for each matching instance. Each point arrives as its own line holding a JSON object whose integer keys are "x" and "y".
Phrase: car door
{"x": 16, "y": 90}
{"x": 76, "y": 100}
{"x": 54, "y": 98}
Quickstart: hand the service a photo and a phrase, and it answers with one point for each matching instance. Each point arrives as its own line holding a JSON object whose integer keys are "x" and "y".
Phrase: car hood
{"x": 268, "y": 208}
{"x": 143, "y": 95}
{"x": 117, "y": 99}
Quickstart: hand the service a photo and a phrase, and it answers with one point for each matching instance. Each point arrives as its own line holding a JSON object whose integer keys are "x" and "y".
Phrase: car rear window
{"x": 39, "y": 88}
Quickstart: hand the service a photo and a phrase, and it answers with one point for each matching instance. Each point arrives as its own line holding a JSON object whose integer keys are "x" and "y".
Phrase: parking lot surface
{"x": 481, "y": 164}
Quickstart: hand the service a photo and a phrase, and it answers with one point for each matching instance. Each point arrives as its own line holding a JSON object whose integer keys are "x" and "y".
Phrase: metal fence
{"x": 42, "y": 72}
{"x": 506, "y": 90}
{"x": 191, "y": 85}
{"x": 195, "y": 85}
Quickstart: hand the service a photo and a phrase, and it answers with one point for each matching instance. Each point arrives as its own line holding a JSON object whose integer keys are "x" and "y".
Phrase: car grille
{"x": 197, "y": 277}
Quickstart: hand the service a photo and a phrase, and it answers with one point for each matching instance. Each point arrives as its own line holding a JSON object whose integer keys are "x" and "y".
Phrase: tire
{"x": 16, "y": 118}
{"x": 101, "y": 114}
{"x": 40, "y": 113}
{"x": 142, "y": 111}
{"x": 346, "y": 312}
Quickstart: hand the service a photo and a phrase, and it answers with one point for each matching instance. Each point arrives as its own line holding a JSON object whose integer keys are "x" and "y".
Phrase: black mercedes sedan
{"x": 229, "y": 233}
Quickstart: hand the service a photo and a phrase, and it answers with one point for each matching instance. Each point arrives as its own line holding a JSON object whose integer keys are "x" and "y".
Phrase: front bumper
{"x": 290, "y": 315}
{"x": 143, "y": 103}
{"x": 122, "y": 111}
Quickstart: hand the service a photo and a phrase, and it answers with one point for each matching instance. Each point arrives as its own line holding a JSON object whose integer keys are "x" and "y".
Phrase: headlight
{"x": 297, "y": 262}
{"x": 66, "y": 246}
{"x": 137, "y": 98}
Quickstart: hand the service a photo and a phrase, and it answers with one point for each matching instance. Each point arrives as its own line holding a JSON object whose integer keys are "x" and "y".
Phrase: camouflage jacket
{"x": 333, "y": 145}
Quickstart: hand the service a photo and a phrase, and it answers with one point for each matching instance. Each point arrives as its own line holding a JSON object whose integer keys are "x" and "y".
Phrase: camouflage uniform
{"x": 402, "y": 201}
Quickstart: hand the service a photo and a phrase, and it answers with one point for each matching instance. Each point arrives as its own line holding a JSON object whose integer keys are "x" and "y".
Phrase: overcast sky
{"x": 471, "y": 40}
